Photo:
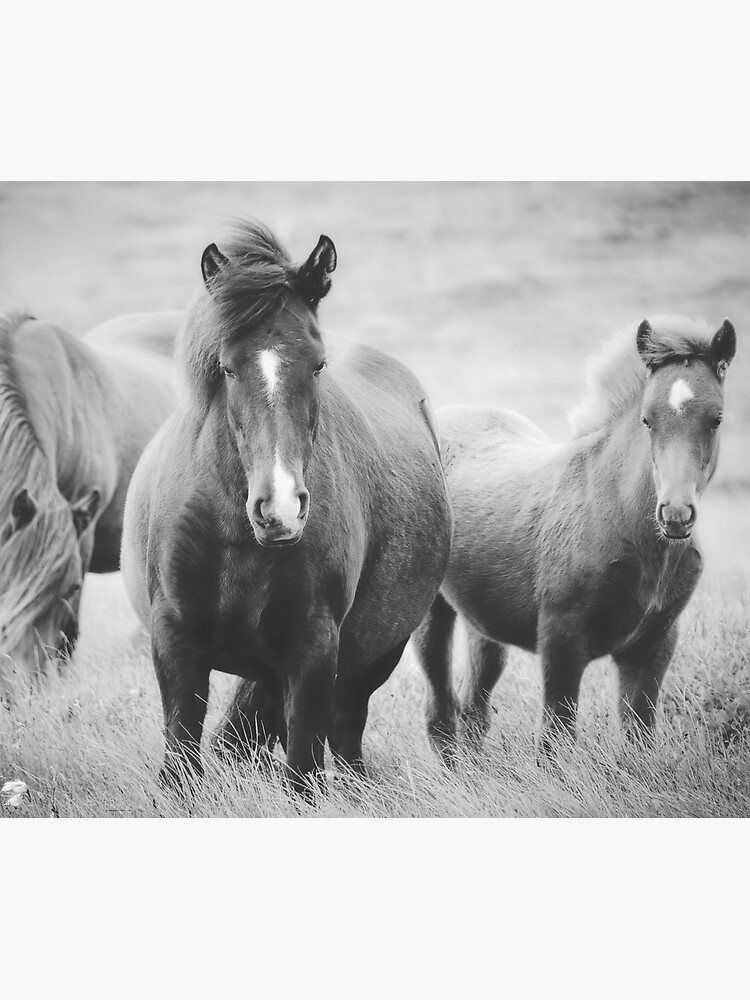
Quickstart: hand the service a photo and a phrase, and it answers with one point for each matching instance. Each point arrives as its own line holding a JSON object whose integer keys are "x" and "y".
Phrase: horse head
{"x": 270, "y": 358}
{"x": 45, "y": 546}
{"x": 682, "y": 410}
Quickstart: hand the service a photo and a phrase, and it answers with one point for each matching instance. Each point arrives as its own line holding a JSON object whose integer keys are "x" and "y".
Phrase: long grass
{"x": 89, "y": 741}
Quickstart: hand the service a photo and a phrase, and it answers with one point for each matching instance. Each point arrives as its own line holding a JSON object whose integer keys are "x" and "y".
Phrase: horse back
{"x": 136, "y": 353}
{"x": 150, "y": 333}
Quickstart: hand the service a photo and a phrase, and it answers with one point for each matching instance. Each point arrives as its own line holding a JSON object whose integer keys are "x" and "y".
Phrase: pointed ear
{"x": 644, "y": 341}
{"x": 723, "y": 348}
{"x": 85, "y": 510}
{"x": 23, "y": 510}
{"x": 212, "y": 262}
{"x": 314, "y": 274}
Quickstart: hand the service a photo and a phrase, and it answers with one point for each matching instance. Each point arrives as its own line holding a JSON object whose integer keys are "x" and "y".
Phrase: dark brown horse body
{"x": 290, "y": 523}
{"x": 581, "y": 549}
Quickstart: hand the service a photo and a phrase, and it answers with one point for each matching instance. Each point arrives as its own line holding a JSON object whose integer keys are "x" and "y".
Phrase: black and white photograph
{"x": 375, "y": 499}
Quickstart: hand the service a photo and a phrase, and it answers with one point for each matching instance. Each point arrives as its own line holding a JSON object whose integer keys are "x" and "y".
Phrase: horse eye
{"x": 716, "y": 422}
{"x": 646, "y": 423}
{"x": 320, "y": 368}
{"x": 227, "y": 372}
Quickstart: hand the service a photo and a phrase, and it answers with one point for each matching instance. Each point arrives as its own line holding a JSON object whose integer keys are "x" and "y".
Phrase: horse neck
{"x": 67, "y": 391}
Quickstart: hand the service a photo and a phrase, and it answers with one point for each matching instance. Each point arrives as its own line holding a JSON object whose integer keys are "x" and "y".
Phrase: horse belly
{"x": 491, "y": 577}
{"x": 496, "y": 600}
{"x": 401, "y": 576}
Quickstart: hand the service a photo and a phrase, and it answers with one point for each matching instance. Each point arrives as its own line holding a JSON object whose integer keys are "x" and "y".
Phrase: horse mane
{"x": 616, "y": 375}
{"x": 258, "y": 279}
{"x": 32, "y": 560}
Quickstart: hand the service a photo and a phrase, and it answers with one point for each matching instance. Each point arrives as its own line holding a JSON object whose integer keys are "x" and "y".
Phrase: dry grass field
{"x": 493, "y": 294}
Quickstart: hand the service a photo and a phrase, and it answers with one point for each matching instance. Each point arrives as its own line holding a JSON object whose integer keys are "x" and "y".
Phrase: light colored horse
{"x": 580, "y": 549}
{"x": 75, "y": 415}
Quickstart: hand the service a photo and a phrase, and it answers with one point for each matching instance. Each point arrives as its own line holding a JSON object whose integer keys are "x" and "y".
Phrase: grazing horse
{"x": 290, "y": 523}
{"x": 581, "y": 549}
{"x": 75, "y": 415}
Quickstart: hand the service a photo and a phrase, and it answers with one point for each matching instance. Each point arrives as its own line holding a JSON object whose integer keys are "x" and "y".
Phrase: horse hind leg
{"x": 251, "y": 725}
{"x": 486, "y": 662}
{"x": 433, "y": 646}
{"x": 641, "y": 671}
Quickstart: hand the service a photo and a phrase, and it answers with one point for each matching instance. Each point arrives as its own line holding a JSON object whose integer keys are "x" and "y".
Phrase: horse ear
{"x": 314, "y": 274}
{"x": 85, "y": 510}
{"x": 645, "y": 343}
{"x": 212, "y": 262}
{"x": 23, "y": 510}
{"x": 723, "y": 348}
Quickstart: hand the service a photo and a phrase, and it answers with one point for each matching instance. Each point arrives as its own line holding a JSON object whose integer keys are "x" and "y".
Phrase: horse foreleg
{"x": 642, "y": 668}
{"x": 433, "y": 646}
{"x": 350, "y": 704}
{"x": 485, "y": 665}
{"x": 563, "y": 664}
{"x": 307, "y": 711}
{"x": 183, "y": 681}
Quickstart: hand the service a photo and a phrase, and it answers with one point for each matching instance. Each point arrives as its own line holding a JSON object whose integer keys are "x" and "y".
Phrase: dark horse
{"x": 290, "y": 522}
{"x": 580, "y": 549}
{"x": 75, "y": 415}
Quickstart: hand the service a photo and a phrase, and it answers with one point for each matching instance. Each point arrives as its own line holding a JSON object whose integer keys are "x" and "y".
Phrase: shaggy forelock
{"x": 616, "y": 375}
{"x": 257, "y": 280}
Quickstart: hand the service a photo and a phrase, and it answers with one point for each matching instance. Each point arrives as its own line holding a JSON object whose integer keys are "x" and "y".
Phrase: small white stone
{"x": 16, "y": 790}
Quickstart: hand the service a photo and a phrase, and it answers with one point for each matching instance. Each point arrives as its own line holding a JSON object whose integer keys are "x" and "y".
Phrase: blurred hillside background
{"x": 493, "y": 293}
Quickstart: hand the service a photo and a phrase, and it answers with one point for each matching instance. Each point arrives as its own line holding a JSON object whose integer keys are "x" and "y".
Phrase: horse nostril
{"x": 304, "y": 504}
{"x": 693, "y": 513}
{"x": 258, "y": 514}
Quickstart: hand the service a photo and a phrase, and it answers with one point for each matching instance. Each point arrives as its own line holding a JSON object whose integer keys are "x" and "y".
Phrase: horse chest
{"x": 632, "y": 595}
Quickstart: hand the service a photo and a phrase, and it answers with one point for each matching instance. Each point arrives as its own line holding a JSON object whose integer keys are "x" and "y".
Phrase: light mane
{"x": 258, "y": 279}
{"x": 616, "y": 375}
{"x": 34, "y": 559}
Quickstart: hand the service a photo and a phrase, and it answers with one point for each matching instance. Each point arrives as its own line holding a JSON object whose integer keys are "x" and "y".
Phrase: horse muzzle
{"x": 676, "y": 520}
{"x": 279, "y": 522}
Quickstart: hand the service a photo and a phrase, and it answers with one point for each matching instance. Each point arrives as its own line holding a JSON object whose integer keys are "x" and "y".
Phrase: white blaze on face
{"x": 679, "y": 394}
{"x": 269, "y": 367}
{"x": 285, "y": 502}
{"x": 283, "y": 505}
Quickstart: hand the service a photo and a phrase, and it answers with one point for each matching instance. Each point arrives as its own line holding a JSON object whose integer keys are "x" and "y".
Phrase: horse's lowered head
{"x": 269, "y": 360}
{"x": 682, "y": 411}
{"x": 45, "y": 543}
